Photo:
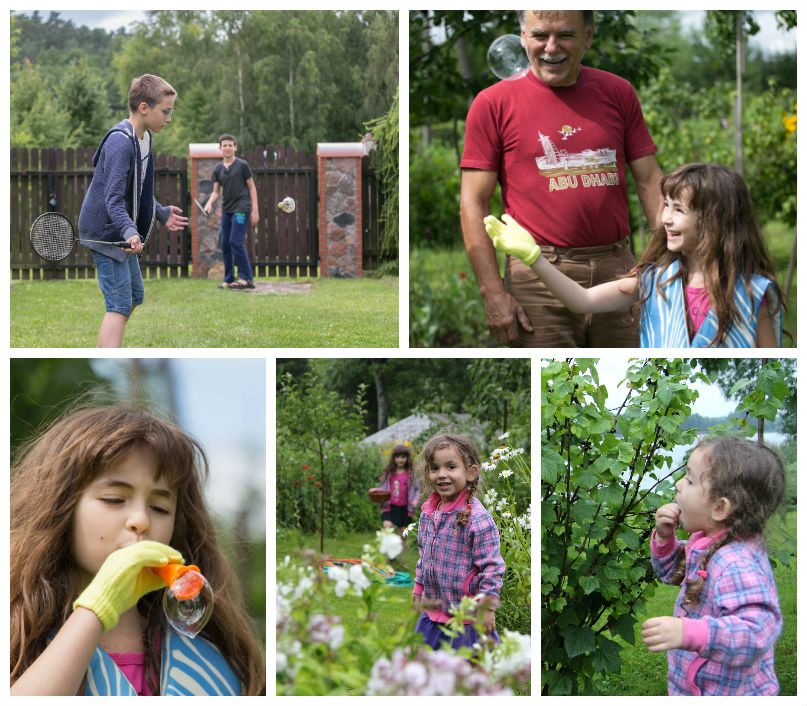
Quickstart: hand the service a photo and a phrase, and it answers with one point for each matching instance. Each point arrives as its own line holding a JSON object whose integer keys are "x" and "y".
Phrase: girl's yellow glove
{"x": 124, "y": 578}
{"x": 511, "y": 238}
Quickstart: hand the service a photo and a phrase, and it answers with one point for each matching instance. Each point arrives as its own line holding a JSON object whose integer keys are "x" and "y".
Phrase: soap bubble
{"x": 506, "y": 57}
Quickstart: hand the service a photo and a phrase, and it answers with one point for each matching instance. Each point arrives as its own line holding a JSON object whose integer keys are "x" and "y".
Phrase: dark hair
{"x": 227, "y": 136}
{"x": 470, "y": 457}
{"x": 588, "y": 17}
{"x": 730, "y": 242}
{"x": 391, "y": 467}
{"x": 47, "y": 480}
{"x": 752, "y": 477}
{"x": 149, "y": 89}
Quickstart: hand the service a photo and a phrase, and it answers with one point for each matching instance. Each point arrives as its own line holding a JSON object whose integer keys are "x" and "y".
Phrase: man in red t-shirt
{"x": 557, "y": 138}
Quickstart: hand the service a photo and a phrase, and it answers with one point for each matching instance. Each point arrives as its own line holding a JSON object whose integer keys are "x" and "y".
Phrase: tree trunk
{"x": 739, "y": 17}
{"x": 382, "y": 402}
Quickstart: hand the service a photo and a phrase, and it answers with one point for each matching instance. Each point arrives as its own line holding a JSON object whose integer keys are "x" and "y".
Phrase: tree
{"x": 774, "y": 381}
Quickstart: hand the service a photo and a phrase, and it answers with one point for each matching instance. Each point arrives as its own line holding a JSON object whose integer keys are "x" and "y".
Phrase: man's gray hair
{"x": 588, "y": 17}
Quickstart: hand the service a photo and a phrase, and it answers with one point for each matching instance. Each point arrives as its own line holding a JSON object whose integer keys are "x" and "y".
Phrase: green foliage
{"x": 604, "y": 473}
{"x": 445, "y": 308}
{"x": 317, "y": 486}
{"x": 42, "y": 389}
{"x": 385, "y": 163}
{"x": 434, "y": 195}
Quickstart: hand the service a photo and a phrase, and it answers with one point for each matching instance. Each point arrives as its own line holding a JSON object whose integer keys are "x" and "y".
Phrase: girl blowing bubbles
{"x": 726, "y": 620}
{"x": 458, "y": 544}
{"x": 704, "y": 280}
{"x": 95, "y": 503}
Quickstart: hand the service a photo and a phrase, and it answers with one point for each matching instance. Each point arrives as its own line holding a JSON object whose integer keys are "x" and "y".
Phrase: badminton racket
{"x": 52, "y": 237}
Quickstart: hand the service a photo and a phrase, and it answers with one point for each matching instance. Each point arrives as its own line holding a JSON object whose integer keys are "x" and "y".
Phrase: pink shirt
{"x": 698, "y": 305}
{"x": 399, "y": 488}
{"x": 133, "y": 666}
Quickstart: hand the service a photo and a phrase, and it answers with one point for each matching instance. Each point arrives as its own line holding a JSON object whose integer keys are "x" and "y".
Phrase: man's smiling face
{"x": 555, "y": 42}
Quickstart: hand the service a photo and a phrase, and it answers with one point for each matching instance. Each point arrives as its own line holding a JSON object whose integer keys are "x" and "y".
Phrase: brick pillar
{"x": 205, "y": 248}
{"x": 340, "y": 208}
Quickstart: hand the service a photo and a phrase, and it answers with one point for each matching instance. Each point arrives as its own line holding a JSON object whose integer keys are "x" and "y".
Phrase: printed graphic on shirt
{"x": 573, "y": 170}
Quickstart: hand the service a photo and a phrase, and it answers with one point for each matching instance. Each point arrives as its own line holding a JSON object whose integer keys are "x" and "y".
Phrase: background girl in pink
{"x": 458, "y": 544}
{"x": 720, "y": 639}
{"x": 400, "y": 480}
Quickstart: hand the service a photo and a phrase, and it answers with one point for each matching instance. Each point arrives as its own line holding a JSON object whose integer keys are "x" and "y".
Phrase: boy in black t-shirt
{"x": 233, "y": 179}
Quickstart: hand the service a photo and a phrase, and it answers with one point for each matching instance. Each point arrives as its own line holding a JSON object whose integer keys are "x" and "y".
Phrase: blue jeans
{"x": 233, "y": 250}
{"x": 121, "y": 282}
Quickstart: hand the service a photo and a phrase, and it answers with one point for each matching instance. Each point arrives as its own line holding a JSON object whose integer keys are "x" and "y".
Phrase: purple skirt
{"x": 435, "y": 638}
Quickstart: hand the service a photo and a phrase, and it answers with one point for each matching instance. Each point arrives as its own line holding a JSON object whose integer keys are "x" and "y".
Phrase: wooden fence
{"x": 57, "y": 180}
{"x": 286, "y": 245}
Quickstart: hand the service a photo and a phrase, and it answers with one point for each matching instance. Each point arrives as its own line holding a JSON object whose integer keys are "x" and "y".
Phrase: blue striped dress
{"x": 188, "y": 668}
{"x": 663, "y": 324}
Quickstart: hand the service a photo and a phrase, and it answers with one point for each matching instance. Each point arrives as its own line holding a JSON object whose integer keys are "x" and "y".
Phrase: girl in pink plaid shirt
{"x": 458, "y": 544}
{"x": 720, "y": 640}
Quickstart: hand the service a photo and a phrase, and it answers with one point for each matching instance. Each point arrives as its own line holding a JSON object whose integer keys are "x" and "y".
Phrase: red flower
{"x": 296, "y": 484}
{"x": 463, "y": 276}
{"x": 311, "y": 477}
{"x": 318, "y": 484}
{"x": 306, "y": 468}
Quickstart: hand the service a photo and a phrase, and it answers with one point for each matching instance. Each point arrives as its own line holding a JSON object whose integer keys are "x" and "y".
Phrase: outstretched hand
{"x": 176, "y": 221}
{"x": 511, "y": 238}
{"x": 663, "y": 633}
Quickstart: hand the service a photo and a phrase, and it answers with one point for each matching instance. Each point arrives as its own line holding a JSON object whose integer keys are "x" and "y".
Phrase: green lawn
{"x": 191, "y": 313}
{"x": 644, "y": 673}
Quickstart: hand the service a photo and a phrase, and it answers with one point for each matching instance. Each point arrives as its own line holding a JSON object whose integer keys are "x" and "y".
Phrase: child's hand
{"x": 667, "y": 517}
{"x": 511, "y": 238}
{"x": 488, "y": 621}
{"x": 416, "y": 602}
{"x": 124, "y": 577}
{"x": 135, "y": 245}
{"x": 176, "y": 221}
{"x": 662, "y": 634}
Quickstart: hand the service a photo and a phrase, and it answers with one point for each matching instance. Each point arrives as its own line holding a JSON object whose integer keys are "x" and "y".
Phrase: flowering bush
{"x": 506, "y": 495}
{"x": 318, "y": 655}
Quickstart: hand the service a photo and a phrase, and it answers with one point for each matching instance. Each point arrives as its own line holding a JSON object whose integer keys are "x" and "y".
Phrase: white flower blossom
{"x": 358, "y": 578}
{"x": 408, "y": 529}
{"x": 391, "y": 545}
{"x": 506, "y": 473}
{"x": 504, "y": 436}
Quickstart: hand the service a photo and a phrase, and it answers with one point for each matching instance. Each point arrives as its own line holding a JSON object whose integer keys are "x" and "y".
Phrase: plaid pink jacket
{"x": 729, "y": 638}
{"x": 456, "y": 561}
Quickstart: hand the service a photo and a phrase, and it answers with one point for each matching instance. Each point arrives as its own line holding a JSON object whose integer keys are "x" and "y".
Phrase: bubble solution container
{"x": 188, "y": 600}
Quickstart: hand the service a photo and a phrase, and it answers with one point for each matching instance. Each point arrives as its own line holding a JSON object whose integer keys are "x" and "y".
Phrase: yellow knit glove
{"x": 511, "y": 238}
{"x": 124, "y": 578}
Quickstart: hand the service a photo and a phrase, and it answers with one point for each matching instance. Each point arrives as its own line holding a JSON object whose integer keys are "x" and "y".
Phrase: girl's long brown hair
{"x": 730, "y": 242}
{"x": 391, "y": 466}
{"x": 47, "y": 479}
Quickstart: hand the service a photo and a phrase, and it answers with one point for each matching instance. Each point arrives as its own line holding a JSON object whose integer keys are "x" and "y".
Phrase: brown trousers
{"x": 557, "y": 327}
